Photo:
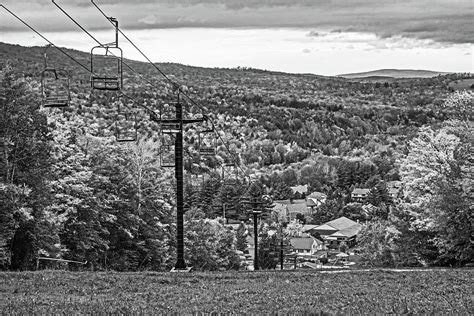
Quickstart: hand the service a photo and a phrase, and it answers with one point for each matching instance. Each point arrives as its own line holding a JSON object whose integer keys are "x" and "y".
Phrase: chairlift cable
{"x": 166, "y": 77}
{"x": 43, "y": 37}
{"x": 103, "y": 45}
{"x": 150, "y": 111}
{"x": 135, "y": 46}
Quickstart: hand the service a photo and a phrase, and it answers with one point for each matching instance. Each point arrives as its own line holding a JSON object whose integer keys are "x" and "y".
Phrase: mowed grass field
{"x": 301, "y": 292}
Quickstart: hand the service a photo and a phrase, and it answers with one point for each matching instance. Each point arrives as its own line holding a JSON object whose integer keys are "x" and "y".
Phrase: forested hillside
{"x": 70, "y": 190}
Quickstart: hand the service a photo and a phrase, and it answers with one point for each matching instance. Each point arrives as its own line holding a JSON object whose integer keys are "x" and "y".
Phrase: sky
{"x": 326, "y": 37}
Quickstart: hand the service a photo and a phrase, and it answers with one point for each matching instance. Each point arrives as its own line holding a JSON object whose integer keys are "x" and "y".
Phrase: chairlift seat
{"x": 170, "y": 128}
{"x": 105, "y": 83}
{"x": 207, "y": 152}
{"x": 167, "y": 162}
{"x": 129, "y": 136}
{"x": 125, "y": 139}
{"x": 55, "y": 102}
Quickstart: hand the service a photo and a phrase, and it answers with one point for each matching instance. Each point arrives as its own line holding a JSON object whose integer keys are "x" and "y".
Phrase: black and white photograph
{"x": 234, "y": 157}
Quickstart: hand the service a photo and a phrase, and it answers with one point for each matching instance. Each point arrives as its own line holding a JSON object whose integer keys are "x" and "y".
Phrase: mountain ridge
{"x": 394, "y": 73}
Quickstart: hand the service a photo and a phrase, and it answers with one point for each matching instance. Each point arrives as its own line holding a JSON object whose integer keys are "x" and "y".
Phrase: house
{"x": 300, "y": 208}
{"x": 288, "y": 209}
{"x": 337, "y": 231}
{"x": 307, "y": 228}
{"x": 306, "y": 246}
{"x": 360, "y": 195}
{"x": 315, "y": 199}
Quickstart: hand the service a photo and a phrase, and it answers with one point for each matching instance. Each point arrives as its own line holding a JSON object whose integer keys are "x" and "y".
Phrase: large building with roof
{"x": 336, "y": 231}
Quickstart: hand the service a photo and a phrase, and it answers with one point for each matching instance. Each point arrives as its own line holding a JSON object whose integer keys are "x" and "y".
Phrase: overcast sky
{"x": 287, "y": 35}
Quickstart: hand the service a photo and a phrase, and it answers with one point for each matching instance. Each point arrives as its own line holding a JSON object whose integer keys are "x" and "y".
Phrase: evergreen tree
{"x": 379, "y": 194}
{"x": 228, "y": 200}
{"x": 208, "y": 194}
{"x": 281, "y": 191}
{"x": 268, "y": 253}
{"x": 329, "y": 210}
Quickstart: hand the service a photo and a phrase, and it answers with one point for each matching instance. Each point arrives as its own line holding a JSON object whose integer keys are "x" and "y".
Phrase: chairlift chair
{"x": 167, "y": 155}
{"x": 126, "y": 127}
{"x": 207, "y": 145}
{"x": 167, "y": 159}
{"x": 229, "y": 173}
{"x": 194, "y": 183}
{"x": 55, "y": 88}
{"x": 55, "y": 85}
{"x": 107, "y": 64}
{"x": 106, "y": 68}
{"x": 168, "y": 122}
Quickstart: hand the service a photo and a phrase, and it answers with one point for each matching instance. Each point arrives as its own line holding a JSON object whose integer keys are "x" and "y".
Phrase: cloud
{"x": 440, "y": 20}
{"x": 149, "y": 19}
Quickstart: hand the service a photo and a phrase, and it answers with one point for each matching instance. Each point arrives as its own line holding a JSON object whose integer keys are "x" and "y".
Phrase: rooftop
{"x": 286, "y": 202}
{"x": 317, "y": 195}
{"x": 279, "y": 206}
{"x": 308, "y": 227}
{"x": 324, "y": 227}
{"x": 348, "y": 232}
{"x": 341, "y": 223}
{"x": 303, "y": 242}
{"x": 300, "y": 189}
{"x": 297, "y": 208}
{"x": 360, "y": 191}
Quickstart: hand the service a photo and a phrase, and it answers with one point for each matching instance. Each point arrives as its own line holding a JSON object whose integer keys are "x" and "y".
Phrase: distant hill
{"x": 394, "y": 73}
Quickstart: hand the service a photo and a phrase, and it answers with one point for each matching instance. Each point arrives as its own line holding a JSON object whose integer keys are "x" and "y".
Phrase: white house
{"x": 306, "y": 246}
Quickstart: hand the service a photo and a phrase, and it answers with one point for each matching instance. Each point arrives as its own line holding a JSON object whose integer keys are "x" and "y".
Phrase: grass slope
{"x": 302, "y": 292}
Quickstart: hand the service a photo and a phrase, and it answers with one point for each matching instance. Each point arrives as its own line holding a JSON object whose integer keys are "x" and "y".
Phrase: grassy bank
{"x": 438, "y": 291}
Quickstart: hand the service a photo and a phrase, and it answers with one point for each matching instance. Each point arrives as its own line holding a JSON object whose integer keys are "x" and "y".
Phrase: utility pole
{"x": 281, "y": 251}
{"x": 255, "y": 238}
